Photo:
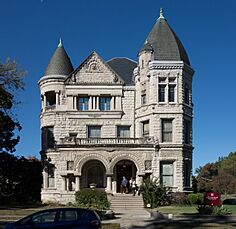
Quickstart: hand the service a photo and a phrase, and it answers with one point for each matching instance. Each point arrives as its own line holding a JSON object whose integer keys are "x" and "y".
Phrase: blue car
{"x": 59, "y": 218}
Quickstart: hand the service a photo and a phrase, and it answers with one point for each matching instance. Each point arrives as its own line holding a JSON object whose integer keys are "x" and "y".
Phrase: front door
{"x": 123, "y": 171}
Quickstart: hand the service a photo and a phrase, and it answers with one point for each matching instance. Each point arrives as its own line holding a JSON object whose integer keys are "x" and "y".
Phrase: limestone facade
{"x": 97, "y": 129}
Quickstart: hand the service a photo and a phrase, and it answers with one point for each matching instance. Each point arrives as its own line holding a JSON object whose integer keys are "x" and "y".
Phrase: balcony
{"x": 105, "y": 142}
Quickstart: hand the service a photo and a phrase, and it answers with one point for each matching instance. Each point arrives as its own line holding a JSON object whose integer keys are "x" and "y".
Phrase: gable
{"x": 94, "y": 70}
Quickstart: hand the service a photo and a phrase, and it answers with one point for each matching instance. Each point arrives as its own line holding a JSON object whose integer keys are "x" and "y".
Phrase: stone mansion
{"x": 104, "y": 119}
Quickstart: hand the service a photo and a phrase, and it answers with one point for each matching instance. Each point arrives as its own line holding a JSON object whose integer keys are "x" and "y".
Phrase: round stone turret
{"x": 165, "y": 43}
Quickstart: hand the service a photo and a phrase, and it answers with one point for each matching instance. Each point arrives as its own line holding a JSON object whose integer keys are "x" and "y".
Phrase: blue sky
{"x": 30, "y": 31}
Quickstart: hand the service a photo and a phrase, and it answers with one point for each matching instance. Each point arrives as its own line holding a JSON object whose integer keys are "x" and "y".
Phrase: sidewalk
{"x": 137, "y": 219}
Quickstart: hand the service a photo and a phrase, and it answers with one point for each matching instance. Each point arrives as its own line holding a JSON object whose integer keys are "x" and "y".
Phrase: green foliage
{"x": 178, "y": 198}
{"x": 92, "y": 198}
{"x": 219, "y": 176}
{"x": 154, "y": 194}
{"x": 11, "y": 79}
{"x": 20, "y": 179}
{"x": 195, "y": 198}
{"x": 213, "y": 210}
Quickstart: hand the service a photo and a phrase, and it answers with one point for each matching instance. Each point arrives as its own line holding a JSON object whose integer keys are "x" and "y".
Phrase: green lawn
{"x": 184, "y": 210}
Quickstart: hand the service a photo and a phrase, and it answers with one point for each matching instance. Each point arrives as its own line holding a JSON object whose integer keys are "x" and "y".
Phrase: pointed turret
{"x": 60, "y": 63}
{"x": 165, "y": 43}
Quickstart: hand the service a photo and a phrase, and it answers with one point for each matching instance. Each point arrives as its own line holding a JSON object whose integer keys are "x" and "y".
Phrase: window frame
{"x": 165, "y": 132}
{"x": 170, "y": 175}
{"x": 82, "y": 105}
{"x": 119, "y": 127}
{"x": 106, "y": 104}
{"x": 98, "y": 127}
{"x": 145, "y": 134}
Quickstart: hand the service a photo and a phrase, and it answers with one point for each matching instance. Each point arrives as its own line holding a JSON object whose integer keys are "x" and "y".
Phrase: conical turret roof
{"x": 165, "y": 43}
{"x": 60, "y": 63}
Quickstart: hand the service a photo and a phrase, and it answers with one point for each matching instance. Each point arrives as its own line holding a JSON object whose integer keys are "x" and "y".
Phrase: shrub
{"x": 154, "y": 194}
{"x": 213, "y": 210}
{"x": 178, "y": 198}
{"x": 92, "y": 198}
{"x": 195, "y": 198}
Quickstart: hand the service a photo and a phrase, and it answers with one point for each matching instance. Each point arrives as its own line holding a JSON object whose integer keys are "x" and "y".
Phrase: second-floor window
{"x": 123, "y": 131}
{"x": 83, "y": 103}
{"x": 186, "y": 132}
{"x": 94, "y": 131}
{"x": 48, "y": 137}
{"x": 186, "y": 95}
{"x": 161, "y": 93}
{"x": 105, "y": 103}
{"x": 145, "y": 128}
{"x": 167, "y": 130}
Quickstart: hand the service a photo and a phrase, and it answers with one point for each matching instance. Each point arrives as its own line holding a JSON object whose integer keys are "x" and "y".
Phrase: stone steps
{"x": 126, "y": 202}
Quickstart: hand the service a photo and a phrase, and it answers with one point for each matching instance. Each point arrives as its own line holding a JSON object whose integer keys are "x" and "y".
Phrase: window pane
{"x": 83, "y": 103}
{"x": 145, "y": 129}
{"x": 51, "y": 176}
{"x": 123, "y": 131}
{"x": 171, "y": 93}
{"x": 143, "y": 99}
{"x": 45, "y": 217}
{"x": 68, "y": 215}
{"x": 167, "y": 174}
{"x": 161, "y": 93}
{"x": 166, "y": 130}
{"x": 105, "y": 103}
{"x": 186, "y": 95}
{"x": 94, "y": 131}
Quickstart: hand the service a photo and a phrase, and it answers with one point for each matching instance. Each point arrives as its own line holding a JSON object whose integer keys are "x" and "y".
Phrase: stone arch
{"x": 136, "y": 160}
{"x": 81, "y": 161}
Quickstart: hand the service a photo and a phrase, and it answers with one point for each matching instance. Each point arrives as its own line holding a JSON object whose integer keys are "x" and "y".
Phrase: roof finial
{"x": 60, "y": 43}
{"x": 161, "y": 13}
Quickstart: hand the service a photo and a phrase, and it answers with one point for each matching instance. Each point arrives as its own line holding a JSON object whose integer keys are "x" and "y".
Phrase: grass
{"x": 187, "y": 209}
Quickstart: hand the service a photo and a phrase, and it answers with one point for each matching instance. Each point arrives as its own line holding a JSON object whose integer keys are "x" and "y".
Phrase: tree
{"x": 11, "y": 79}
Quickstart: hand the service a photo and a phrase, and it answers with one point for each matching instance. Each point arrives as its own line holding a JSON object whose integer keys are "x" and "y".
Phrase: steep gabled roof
{"x": 124, "y": 67}
{"x": 60, "y": 63}
{"x": 165, "y": 43}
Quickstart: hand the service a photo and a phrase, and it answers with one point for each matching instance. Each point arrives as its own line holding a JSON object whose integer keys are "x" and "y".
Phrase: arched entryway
{"x": 93, "y": 172}
{"x": 125, "y": 168}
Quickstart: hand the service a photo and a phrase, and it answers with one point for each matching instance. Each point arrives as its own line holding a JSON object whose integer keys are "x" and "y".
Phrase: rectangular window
{"x": 143, "y": 99}
{"x": 105, "y": 103}
{"x": 123, "y": 131}
{"x": 70, "y": 165}
{"x": 94, "y": 131}
{"x": 186, "y": 132}
{"x": 167, "y": 130}
{"x": 171, "y": 93}
{"x": 161, "y": 93}
{"x": 83, "y": 103}
{"x": 47, "y": 138}
{"x": 186, "y": 95}
{"x": 145, "y": 128}
{"x": 51, "y": 176}
{"x": 167, "y": 174}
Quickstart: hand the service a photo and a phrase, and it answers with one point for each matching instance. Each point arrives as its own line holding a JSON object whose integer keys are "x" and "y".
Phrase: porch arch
{"x": 91, "y": 157}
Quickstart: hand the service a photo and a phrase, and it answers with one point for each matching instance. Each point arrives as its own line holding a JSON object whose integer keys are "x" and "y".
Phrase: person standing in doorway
{"x": 133, "y": 185}
{"x": 124, "y": 185}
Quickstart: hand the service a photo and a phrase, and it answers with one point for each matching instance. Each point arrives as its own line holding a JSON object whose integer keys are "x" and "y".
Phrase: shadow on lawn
{"x": 191, "y": 221}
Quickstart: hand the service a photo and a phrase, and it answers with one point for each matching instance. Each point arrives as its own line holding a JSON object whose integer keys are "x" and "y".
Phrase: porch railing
{"x": 103, "y": 141}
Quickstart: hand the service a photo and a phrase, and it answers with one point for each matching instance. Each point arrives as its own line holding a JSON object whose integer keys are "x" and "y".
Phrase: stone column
{"x": 57, "y": 97}
{"x": 77, "y": 183}
{"x": 67, "y": 183}
{"x": 90, "y": 103}
{"x": 44, "y": 102}
{"x": 45, "y": 179}
{"x": 94, "y": 102}
{"x": 109, "y": 185}
{"x": 97, "y": 103}
{"x": 112, "y": 103}
{"x": 118, "y": 103}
